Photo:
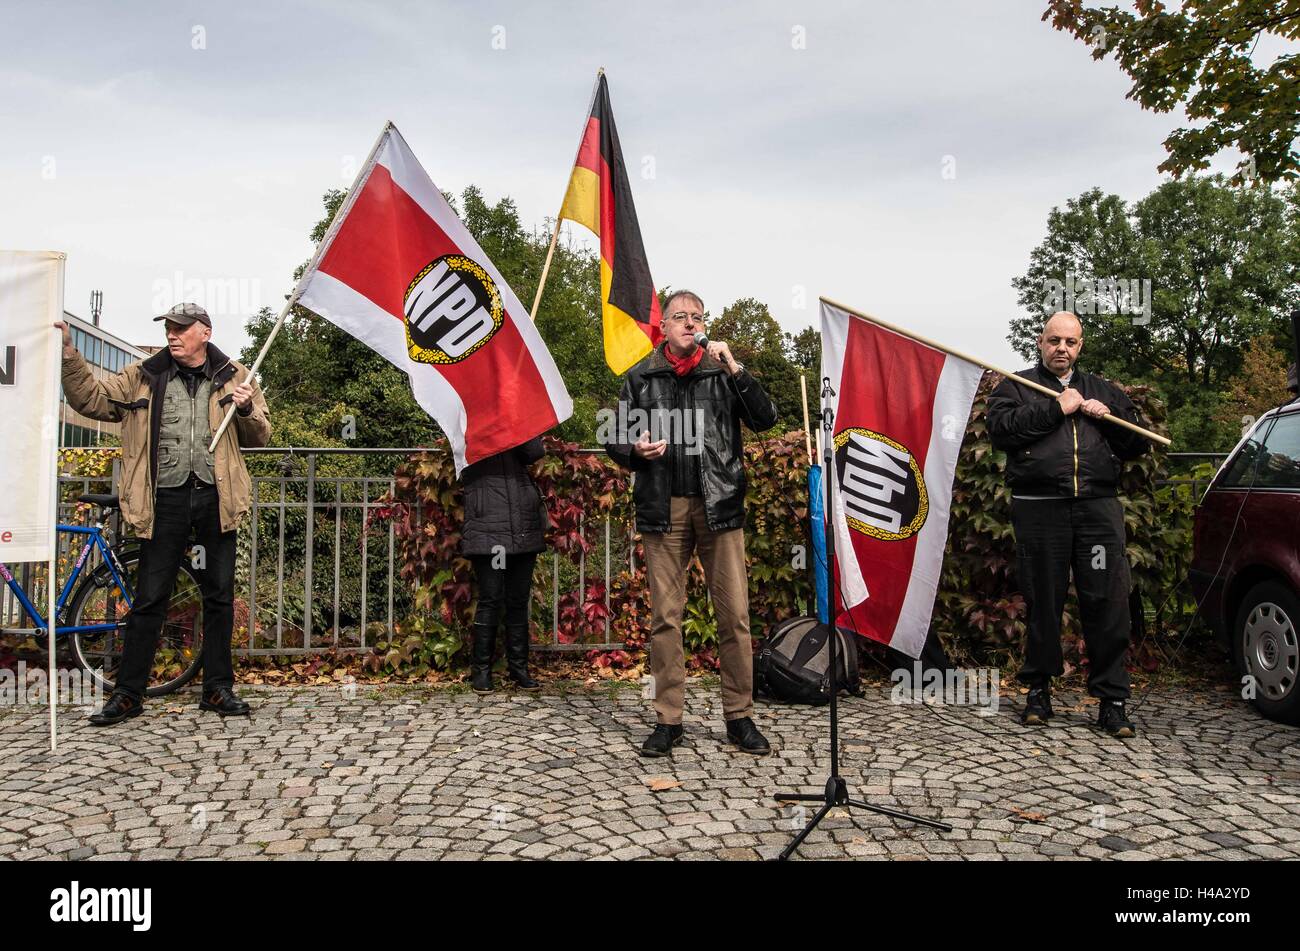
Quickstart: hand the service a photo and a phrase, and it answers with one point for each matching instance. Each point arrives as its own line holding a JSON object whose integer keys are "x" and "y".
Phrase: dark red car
{"x": 1246, "y": 561}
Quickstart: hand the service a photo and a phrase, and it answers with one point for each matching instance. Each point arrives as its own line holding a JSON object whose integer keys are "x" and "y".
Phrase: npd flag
{"x": 400, "y": 272}
{"x": 900, "y": 411}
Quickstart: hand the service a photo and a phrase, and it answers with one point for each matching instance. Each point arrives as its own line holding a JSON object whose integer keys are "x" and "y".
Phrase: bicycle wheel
{"x": 98, "y": 600}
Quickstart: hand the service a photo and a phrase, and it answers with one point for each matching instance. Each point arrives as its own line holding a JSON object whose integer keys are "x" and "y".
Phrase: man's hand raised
{"x": 68, "y": 348}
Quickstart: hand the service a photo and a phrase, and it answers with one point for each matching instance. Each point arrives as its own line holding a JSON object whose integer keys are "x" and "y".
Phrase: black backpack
{"x": 792, "y": 666}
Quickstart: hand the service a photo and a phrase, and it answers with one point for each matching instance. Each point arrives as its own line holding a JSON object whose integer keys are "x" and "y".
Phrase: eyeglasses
{"x": 684, "y": 317}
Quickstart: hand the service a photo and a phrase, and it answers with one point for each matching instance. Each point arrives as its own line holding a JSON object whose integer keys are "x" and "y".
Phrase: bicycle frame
{"x": 95, "y": 540}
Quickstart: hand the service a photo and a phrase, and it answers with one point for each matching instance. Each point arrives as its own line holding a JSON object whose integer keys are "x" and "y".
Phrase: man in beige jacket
{"x": 173, "y": 491}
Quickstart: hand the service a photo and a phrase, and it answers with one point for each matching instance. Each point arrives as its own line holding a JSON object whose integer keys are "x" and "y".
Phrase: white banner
{"x": 31, "y": 300}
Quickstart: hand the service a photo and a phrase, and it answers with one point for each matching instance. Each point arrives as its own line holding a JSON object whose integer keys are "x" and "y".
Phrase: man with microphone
{"x": 689, "y": 494}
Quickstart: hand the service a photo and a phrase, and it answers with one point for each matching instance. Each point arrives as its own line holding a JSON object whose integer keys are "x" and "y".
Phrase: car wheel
{"x": 1266, "y": 642}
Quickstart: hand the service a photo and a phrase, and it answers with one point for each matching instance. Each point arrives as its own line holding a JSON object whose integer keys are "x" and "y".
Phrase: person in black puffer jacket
{"x": 504, "y": 530}
{"x": 1063, "y": 463}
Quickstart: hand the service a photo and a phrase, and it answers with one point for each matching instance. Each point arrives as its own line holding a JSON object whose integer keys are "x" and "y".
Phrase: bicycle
{"x": 93, "y": 616}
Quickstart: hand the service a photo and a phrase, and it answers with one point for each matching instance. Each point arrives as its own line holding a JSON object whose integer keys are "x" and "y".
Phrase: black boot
{"x": 485, "y": 639}
{"x": 517, "y": 657}
{"x": 1038, "y": 706}
{"x": 743, "y": 735}
{"x": 1112, "y": 718}
{"x": 663, "y": 739}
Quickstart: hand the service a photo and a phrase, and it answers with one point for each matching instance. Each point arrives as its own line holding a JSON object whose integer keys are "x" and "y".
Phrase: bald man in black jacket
{"x": 1063, "y": 463}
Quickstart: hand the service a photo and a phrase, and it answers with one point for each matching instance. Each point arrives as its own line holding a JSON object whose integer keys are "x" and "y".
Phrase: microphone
{"x": 701, "y": 339}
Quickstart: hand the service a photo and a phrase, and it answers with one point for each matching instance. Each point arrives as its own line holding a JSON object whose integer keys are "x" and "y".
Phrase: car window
{"x": 1279, "y": 464}
{"x": 1240, "y": 470}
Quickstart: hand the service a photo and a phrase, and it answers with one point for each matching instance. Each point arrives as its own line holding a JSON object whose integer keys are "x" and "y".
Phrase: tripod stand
{"x": 836, "y": 792}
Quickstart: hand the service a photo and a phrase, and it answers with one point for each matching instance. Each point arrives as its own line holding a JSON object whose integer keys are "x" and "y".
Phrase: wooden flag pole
{"x": 555, "y": 235}
{"x": 321, "y": 248}
{"x": 1154, "y": 437}
{"x": 546, "y": 268}
{"x": 807, "y": 432}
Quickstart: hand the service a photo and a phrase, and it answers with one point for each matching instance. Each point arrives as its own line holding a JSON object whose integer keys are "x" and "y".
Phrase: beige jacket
{"x": 134, "y": 398}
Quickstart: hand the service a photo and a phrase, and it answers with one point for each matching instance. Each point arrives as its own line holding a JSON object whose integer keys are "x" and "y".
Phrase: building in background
{"x": 106, "y": 354}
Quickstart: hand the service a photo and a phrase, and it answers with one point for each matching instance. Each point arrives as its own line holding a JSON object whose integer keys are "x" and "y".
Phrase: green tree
{"x": 1258, "y": 387}
{"x": 1199, "y": 56}
{"x": 1223, "y": 265}
{"x": 804, "y": 350}
{"x": 756, "y": 340}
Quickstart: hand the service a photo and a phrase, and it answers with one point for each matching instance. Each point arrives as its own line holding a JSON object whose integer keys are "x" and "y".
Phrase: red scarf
{"x": 683, "y": 365}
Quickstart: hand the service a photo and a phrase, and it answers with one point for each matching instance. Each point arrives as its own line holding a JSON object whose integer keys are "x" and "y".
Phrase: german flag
{"x": 600, "y": 199}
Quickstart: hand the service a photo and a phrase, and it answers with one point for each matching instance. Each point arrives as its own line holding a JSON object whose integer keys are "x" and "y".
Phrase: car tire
{"x": 1266, "y": 647}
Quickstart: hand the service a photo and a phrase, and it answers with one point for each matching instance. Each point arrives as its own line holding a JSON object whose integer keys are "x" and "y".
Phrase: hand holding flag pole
{"x": 1154, "y": 437}
{"x": 321, "y": 248}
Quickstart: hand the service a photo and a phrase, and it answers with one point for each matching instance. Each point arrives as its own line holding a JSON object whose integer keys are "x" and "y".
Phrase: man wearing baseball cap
{"x": 173, "y": 491}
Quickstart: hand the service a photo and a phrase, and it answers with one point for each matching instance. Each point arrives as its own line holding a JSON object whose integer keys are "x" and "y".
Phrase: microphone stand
{"x": 836, "y": 792}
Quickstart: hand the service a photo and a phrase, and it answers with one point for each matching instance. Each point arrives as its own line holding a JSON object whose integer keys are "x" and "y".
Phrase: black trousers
{"x": 1057, "y": 537}
{"x": 504, "y": 592}
{"x": 178, "y": 513}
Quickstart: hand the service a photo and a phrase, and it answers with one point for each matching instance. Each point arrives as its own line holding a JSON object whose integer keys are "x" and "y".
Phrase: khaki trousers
{"x": 668, "y": 554}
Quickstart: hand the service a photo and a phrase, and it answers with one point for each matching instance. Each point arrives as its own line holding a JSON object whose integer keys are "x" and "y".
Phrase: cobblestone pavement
{"x": 414, "y": 773}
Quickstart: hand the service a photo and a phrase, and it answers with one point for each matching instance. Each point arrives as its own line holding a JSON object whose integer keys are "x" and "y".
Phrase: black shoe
{"x": 517, "y": 658}
{"x": 484, "y": 644}
{"x": 663, "y": 739}
{"x": 222, "y": 700}
{"x": 1038, "y": 707}
{"x": 743, "y": 735}
{"x": 1113, "y": 720}
{"x": 117, "y": 708}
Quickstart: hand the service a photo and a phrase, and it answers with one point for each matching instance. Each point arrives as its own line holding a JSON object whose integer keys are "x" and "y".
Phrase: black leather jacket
{"x": 1052, "y": 454}
{"x": 725, "y": 401}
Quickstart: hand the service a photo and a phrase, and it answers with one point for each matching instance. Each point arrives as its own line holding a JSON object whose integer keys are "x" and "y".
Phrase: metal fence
{"x": 1189, "y": 460}
{"x": 315, "y": 570}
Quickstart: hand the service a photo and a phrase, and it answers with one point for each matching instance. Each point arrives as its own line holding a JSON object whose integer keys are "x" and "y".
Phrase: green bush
{"x": 979, "y": 611}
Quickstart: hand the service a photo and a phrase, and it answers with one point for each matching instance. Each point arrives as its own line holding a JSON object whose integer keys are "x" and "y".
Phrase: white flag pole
{"x": 51, "y": 426}
{"x": 321, "y": 248}
{"x": 1154, "y": 437}
{"x": 52, "y": 599}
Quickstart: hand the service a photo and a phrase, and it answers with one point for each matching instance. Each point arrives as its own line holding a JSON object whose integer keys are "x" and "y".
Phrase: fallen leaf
{"x": 660, "y": 783}
{"x": 1025, "y": 816}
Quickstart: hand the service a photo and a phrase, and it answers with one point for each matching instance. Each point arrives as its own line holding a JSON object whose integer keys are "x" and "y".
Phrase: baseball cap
{"x": 186, "y": 314}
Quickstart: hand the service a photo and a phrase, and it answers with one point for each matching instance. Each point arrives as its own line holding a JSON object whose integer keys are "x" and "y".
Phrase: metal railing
{"x": 316, "y": 572}
{"x": 1190, "y": 459}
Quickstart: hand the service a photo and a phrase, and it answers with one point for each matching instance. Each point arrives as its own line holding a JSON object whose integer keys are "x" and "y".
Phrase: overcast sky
{"x": 777, "y": 149}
